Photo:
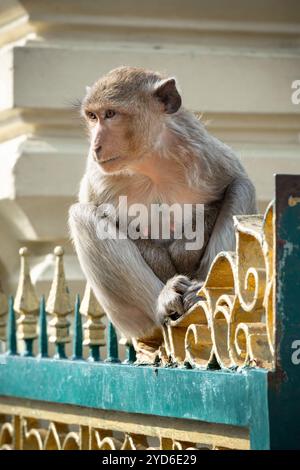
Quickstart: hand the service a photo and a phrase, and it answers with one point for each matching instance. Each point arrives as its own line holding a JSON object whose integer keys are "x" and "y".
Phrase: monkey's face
{"x": 112, "y": 137}
{"x": 125, "y": 112}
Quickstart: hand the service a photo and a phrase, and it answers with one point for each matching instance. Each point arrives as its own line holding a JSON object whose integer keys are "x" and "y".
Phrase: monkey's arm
{"x": 239, "y": 198}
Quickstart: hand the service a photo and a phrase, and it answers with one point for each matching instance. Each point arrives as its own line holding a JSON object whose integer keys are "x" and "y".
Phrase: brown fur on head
{"x": 125, "y": 111}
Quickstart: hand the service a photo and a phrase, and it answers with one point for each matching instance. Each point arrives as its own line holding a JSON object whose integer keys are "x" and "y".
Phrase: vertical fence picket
{"x": 59, "y": 306}
{"x": 77, "y": 335}
{"x": 3, "y": 313}
{"x": 11, "y": 329}
{"x": 112, "y": 344}
{"x": 26, "y": 304}
{"x": 43, "y": 338}
{"x": 93, "y": 327}
{"x": 130, "y": 354}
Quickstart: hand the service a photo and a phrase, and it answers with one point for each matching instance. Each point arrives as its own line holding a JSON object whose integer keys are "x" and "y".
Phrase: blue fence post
{"x": 112, "y": 344}
{"x": 77, "y": 338}
{"x": 43, "y": 338}
{"x": 284, "y": 382}
{"x": 11, "y": 329}
{"x": 130, "y": 354}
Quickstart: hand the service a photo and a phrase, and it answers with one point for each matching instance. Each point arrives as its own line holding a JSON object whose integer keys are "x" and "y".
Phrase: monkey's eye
{"x": 91, "y": 116}
{"x": 110, "y": 113}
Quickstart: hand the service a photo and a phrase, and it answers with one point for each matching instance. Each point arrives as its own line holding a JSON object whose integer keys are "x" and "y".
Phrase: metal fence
{"x": 226, "y": 375}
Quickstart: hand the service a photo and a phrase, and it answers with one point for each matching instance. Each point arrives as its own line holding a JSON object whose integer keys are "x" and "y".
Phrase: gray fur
{"x": 140, "y": 283}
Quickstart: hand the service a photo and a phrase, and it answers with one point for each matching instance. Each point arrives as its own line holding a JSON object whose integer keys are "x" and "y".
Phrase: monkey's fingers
{"x": 174, "y": 316}
{"x": 190, "y": 297}
{"x": 169, "y": 304}
{"x": 179, "y": 283}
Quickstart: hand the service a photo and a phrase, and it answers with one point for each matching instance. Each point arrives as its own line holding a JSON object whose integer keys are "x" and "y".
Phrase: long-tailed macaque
{"x": 146, "y": 146}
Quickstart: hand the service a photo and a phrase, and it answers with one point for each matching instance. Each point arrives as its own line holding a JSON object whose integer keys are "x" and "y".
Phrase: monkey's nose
{"x": 96, "y": 152}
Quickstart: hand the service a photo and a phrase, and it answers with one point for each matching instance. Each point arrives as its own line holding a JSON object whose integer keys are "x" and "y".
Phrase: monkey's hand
{"x": 170, "y": 301}
{"x": 177, "y": 297}
{"x": 190, "y": 297}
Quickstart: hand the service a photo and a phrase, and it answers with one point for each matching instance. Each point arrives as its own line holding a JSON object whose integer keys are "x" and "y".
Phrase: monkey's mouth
{"x": 102, "y": 162}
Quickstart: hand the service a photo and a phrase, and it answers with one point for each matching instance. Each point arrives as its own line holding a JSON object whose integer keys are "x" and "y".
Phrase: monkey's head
{"x": 126, "y": 111}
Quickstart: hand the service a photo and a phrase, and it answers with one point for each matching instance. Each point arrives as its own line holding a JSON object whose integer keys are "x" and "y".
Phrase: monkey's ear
{"x": 167, "y": 93}
{"x": 88, "y": 89}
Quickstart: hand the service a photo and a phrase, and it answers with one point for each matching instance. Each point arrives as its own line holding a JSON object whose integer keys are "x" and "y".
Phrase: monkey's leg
{"x": 120, "y": 278}
{"x": 157, "y": 258}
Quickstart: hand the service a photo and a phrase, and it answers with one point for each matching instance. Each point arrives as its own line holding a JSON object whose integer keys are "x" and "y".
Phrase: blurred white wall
{"x": 235, "y": 61}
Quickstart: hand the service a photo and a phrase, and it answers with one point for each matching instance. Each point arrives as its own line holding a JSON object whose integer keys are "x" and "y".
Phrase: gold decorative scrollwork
{"x": 29, "y": 433}
{"x": 56, "y": 437}
{"x": 233, "y": 322}
{"x": 6, "y": 433}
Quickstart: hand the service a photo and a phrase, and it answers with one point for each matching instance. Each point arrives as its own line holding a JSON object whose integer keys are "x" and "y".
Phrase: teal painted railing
{"x": 265, "y": 401}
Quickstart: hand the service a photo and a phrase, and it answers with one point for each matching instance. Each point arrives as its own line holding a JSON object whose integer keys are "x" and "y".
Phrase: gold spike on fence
{"x": 59, "y": 305}
{"x": 94, "y": 329}
{"x": 26, "y": 302}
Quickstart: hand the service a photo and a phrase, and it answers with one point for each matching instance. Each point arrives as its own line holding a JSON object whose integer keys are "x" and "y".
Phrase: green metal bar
{"x": 94, "y": 353}
{"x": 60, "y": 351}
{"x": 112, "y": 344}
{"x": 11, "y": 330}
{"x": 28, "y": 350}
{"x": 258, "y": 411}
{"x": 77, "y": 338}
{"x": 130, "y": 354}
{"x": 284, "y": 383}
{"x": 43, "y": 338}
{"x": 212, "y": 396}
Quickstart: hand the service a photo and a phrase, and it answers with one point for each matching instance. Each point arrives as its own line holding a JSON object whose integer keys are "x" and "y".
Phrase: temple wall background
{"x": 235, "y": 61}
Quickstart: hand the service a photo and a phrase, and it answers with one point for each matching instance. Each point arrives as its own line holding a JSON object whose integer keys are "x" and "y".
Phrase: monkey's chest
{"x": 173, "y": 241}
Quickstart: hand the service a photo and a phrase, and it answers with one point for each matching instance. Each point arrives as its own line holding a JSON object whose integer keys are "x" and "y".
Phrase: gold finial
{"x": 3, "y": 312}
{"x": 26, "y": 302}
{"x": 94, "y": 329}
{"x": 59, "y": 304}
{"x": 58, "y": 251}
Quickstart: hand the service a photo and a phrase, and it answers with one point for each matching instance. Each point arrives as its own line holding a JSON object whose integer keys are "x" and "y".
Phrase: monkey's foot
{"x": 148, "y": 347}
{"x": 170, "y": 302}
